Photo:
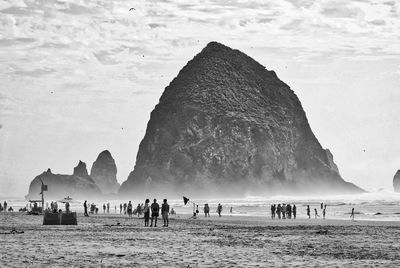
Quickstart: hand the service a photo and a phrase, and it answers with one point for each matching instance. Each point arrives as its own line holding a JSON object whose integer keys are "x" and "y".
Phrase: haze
{"x": 78, "y": 77}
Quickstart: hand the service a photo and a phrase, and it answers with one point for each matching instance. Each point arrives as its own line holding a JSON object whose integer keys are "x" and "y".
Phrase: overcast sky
{"x": 78, "y": 77}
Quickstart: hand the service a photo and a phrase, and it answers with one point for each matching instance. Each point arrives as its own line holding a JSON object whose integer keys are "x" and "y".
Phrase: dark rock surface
{"x": 227, "y": 125}
{"x": 78, "y": 185}
{"x": 104, "y": 173}
{"x": 396, "y": 182}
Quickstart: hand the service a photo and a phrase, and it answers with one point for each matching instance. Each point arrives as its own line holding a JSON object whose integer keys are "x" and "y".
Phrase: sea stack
{"x": 78, "y": 185}
{"x": 227, "y": 126}
{"x": 104, "y": 173}
{"x": 396, "y": 181}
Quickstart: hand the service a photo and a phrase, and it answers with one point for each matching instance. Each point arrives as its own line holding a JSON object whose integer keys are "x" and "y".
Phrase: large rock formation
{"x": 227, "y": 125}
{"x": 396, "y": 181}
{"x": 104, "y": 173}
{"x": 78, "y": 185}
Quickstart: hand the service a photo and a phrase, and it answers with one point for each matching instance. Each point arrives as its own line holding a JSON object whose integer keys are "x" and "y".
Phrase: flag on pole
{"x": 185, "y": 200}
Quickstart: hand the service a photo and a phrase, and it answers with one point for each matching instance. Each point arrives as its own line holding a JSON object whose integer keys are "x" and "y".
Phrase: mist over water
{"x": 379, "y": 205}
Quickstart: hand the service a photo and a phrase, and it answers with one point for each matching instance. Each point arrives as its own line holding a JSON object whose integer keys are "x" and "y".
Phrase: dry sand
{"x": 215, "y": 242}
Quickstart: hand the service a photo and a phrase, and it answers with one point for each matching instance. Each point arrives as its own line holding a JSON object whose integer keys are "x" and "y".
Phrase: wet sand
{"x": 235, "y": 241}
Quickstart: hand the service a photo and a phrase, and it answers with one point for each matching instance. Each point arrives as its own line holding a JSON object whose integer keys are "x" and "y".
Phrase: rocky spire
{"x": 104, "y": 173}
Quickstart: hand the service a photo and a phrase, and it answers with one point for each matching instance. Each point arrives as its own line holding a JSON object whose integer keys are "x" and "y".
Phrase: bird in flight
{"x": 132, "y": 9}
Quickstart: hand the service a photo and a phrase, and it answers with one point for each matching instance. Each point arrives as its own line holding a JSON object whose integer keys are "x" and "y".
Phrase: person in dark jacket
{"x": 155, "y": 209}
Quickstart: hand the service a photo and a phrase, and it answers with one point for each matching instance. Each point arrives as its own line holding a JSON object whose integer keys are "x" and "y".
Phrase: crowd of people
{"x": 287, "y": 211}
{"x": 283, "y": 211}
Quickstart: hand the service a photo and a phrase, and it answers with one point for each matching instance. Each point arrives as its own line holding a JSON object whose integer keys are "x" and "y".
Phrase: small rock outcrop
{"x": 396, "y": 181}
{"x": 104, "y": 173}
{"x": 79, "y": 185}
{"x": 227, "y": 125}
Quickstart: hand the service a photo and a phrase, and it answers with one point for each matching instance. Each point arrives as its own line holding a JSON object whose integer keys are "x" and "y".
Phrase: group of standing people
{"x": 5, "y": 206}
{"x": 284, "y": 211}
{"x": 154, "y": 208}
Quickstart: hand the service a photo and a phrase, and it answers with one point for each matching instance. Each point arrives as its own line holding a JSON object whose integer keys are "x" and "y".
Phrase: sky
{"x": 79, "y": 77}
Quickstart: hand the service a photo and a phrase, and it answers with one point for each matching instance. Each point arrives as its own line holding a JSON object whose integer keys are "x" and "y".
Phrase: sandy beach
{"x": 229, "y": 241}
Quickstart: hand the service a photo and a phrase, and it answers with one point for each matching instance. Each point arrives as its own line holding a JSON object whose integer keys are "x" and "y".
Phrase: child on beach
{"x": 146, "y": 211}
{"x": 316, "y": 213}
{"x": 155, "y": 208}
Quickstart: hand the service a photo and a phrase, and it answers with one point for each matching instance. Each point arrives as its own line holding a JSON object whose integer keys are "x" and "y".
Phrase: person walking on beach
{"x": 129, "y": 209}
{"x": 120, "y": 208}
{"x": 206, "y": 210}
{"x": 146, "y": 211}
{"x": 5, "y": 206}
{"x": 155, "y": 209}
{"x": 323, "y": 213}
{"x": 108, "y": 207}
{"x": 219, "y": 209}
{"x": 115, "y": 209}
{"x": 316, "y": 213}
{"x": 283, "y": 210}
{"x": 138, "y": 210}
{"x": 322, "y": 205}
{"x": 294, "y": 211}
{"x": 165, "y": 212}
{"x": 104, "y": 208}
{"x": 125, "y": 205}
{"x": 308, "y": 212}
{"x": 352, "y": 214}
{"x": 85, "y": 209}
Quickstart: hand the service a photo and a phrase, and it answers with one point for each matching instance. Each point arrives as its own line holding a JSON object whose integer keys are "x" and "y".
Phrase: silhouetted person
{"x": 352, "y": 214}
{"x": 146, "y": 211}
{"x": 322, "y": 205}
{"x": 219, "y": 209}
{"x": 273, "y": 211}
{"x": 5, "y": 206}
{"x": 308, "y": 212}
{"x": 155, "y": 209}
{"x": 115, "y": 209}
{"x": 289, "y": 211}
{"x": 165, "y": 212}
{"x": 125, "y": 205}
{"x": 108, "y": 207}
{"x": 85, "y": 209}
{"x": 283, "y": 211}
{"x": 197, "y": 210}
{"x": 278, "y": 211}
{"x": 206, "y": 210}
{"x": 104, "y": 208}
{"x": 129, "y": 209}
{"x": 316, "y": 213}
{"x": 230, "y": 210}
{"x": 323, "y": 213}
{"x": 294, "y": 211}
